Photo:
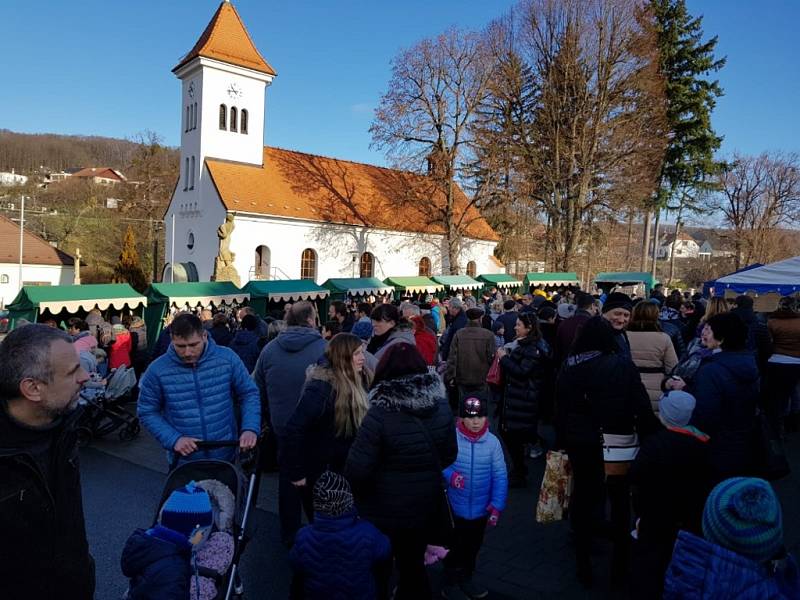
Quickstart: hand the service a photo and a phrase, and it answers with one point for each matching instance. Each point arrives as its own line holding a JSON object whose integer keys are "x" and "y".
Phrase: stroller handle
{"x": 206, "y": 445}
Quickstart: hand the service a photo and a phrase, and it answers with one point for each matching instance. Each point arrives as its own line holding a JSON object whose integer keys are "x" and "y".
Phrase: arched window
{"x": 191, "y": 184}
{"x": 186, "y": 175}
{"x": 367, "y": 265}
{"x": 308, "y": 264}
{"x": 3, "y": 278}
{"x": 194, "y": 117}
{"x": 262, "y": 262}
{"x": 243, "y": 122}
{"x": 471, "y": 269}
{"x": 223, "y": 117}
{"x": 188, "y": 120}
{"x": 424, "y": 267}
{"x": 233, "y": 118}
{"x": 190, "y": 241}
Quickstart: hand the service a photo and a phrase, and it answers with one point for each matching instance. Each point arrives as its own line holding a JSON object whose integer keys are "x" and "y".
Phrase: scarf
{"x": 690, "y": 431}
{"x": 472, "y": 436}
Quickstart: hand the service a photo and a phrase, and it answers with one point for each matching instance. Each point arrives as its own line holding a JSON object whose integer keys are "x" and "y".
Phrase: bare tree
{"x": 758, "y": 195}
{"x": 424, "y": 119}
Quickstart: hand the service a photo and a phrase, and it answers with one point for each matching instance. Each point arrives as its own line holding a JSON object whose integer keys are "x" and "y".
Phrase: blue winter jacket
{"x": 158, "y": 564}
{"x": 486, "y": 480}
{"x": 176, "y": 399}
{"x": 280, "y": 372}
{"x": 245, "y": 344}
{"x": 701, "y": 570}
{"x": 335, "y": 557}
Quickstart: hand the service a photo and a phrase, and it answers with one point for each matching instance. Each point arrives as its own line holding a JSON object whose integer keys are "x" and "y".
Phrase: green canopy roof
{"x": 500, "y": 280}
{"x": 73, "y": 298}
{"x": 286, "y": 290}
{"x": 457, "y": 282}
{"x": 627, "y": 278}
{"x": 195, "y": 293}
{"x": 362, "y": 286}
{"x": 554, "y": 278}
{"x": 415, "y": 284}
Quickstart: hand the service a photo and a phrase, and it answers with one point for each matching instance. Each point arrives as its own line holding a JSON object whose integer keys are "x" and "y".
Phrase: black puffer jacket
{"x": 601, "y": 392}
{"x": 396, "y": 480}
{"x": 43, "y": 549}
{"x": 525, "y": 372}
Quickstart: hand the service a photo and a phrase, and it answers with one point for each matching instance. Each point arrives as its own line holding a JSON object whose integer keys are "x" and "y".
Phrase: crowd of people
{"x": 400, "y": 428}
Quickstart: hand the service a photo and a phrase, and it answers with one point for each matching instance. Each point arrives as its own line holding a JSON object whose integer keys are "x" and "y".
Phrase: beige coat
{"x": 652, "y": 350}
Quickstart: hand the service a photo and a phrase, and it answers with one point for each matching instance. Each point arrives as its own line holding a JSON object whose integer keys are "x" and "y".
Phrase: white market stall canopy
{"x": 782, "y": 277}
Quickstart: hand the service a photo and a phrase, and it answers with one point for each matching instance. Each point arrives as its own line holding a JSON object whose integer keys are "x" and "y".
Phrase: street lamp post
{"x": 21, "y": 238}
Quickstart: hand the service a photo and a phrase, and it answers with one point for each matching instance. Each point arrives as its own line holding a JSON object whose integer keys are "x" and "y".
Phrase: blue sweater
{"x": 280, "y": 372}
{"x": 176, "y": 399}
{"x": 486, "y": 481}
{"x": 335, "y": 557}
{"x": 701, "y": 570}
{"x": 245, "y": 345}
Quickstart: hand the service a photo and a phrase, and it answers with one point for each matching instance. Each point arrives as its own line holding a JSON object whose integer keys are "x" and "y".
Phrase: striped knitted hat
{"x": 743, "y": 514}
{"x": 332, "y": 495}
{"x": 187, "y": 510}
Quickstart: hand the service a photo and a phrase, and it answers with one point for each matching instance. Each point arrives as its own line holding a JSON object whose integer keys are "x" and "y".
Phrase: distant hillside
{"x": 30, "y": 153}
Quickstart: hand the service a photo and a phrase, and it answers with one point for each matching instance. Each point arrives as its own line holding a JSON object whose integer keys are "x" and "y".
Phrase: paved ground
{"x": 520, "y": 559}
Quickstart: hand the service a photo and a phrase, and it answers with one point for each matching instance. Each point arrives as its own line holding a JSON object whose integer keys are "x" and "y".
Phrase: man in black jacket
{"x": 43, "y": 549}
{"x": 759, "y": 341}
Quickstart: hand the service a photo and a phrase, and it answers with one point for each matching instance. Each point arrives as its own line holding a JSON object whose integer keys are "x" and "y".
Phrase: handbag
{"x": 619, "y": 451}
{"x": 554, "y": 495}
{"x": 443, "y": 527}
{"x": 495, "y": 374}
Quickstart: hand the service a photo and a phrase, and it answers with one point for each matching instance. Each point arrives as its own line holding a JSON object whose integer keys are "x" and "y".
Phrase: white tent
{"x": 782, "y": 277}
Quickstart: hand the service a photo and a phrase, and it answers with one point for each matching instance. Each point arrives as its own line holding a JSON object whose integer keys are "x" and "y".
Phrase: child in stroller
{"x": 188, "y": 549}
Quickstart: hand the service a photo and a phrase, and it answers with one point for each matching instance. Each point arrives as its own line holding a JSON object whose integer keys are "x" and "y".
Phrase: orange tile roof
{"x": 226, "y": 39}
{"x": 36, "y": 251}
{"x": 105, "y": 172}
{"x": 306, "y": 186}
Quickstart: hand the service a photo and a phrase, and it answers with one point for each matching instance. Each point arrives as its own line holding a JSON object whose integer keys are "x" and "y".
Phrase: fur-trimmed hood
{"x": 414, "y": 393}
{"x": 320, "y": 371}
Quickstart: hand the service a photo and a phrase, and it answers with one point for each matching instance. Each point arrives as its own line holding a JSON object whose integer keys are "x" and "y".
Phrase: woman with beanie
{"x": 405, "y": 440}
{"x": 742, "y": 555}
{"x": 599, "y": 392}
{"x": 726, "y": 386}
{"x": 525, "y": 370}
{"x": 671, "y": 481}
{"x": 651, "y": 349}
{"x": 388, "y": 328}
{"x": 331, "y": 408}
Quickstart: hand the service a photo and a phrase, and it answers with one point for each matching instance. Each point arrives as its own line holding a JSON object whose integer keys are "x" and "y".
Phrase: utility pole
{"x": 21, "y": 238}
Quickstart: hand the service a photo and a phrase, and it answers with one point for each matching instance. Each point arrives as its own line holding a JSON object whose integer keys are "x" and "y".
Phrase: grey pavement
{"x": 520, "y": 559}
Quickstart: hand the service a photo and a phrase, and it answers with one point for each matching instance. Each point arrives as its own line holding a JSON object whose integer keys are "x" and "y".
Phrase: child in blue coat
{"x": 335, "y": 555}
{"x": 478, "y": 486}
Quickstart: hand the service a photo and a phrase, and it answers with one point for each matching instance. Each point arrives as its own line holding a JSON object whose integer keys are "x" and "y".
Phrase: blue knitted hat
{"x": 187, "y": 510}
{"x": 362, "y": 329}
{"x": 676, "y": 408}
{"x": 743, "y": 514}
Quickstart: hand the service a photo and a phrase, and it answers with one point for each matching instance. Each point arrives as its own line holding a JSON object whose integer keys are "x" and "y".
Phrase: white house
{"x": 42, "y": 264}
{"x": 12, "y": 178}
{"x": 685, "y": 246}
{"x": 295, "y": 215}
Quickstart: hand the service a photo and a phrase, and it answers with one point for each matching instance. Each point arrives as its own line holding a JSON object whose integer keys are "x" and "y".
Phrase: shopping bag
{"x": 495, "y": 374}
{"x": 556, "y": 488}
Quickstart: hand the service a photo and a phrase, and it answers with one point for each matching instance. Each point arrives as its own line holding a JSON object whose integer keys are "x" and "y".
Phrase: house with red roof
{"x": 286, "y": 214}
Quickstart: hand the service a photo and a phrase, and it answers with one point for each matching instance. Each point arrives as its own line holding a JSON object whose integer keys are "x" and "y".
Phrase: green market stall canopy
{"x": 626, "y": 278}
{"x": 414, "y": 285}
{"x": 554, "y": 278}
{"x": 282, "y": 290}
{"x": 500, "y": 280}
{"x": 34, "y": 299}
{"x": 363, "y": 286}
{"x": 457, "y": 282}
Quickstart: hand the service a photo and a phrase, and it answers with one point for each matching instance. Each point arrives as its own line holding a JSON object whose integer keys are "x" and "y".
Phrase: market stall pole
{"x": 163, "y": 296}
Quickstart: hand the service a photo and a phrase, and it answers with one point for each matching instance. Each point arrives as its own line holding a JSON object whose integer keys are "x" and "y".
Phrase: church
{"x": 242, "y": 211}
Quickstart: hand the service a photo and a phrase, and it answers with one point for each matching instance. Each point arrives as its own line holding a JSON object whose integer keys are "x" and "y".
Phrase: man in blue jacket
{"x": 188, "y": 395}
{"x": 280, "y": 374}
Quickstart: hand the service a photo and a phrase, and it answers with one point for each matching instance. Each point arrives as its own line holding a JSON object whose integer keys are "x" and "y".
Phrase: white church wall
{"x": 39, "y": 274}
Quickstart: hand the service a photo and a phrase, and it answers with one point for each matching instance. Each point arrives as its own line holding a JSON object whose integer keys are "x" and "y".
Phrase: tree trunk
{"x": 648, "y": 219}
{"x": 655, "y": 242}
{"x": 629, "y": 241}
{"x": 672, "y": 252}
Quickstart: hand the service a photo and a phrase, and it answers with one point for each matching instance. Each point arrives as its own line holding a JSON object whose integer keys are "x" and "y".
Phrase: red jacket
{"x": 426, "y": 341}
{"x": 120, "y": 351}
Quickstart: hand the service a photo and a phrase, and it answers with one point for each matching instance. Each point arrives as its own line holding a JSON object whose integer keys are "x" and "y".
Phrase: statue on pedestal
{"x": 76, "y": 279}
{"x": 224, "y": 269}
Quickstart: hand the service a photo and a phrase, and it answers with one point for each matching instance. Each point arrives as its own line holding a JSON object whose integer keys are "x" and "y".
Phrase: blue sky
{"x": 103, "y": 67}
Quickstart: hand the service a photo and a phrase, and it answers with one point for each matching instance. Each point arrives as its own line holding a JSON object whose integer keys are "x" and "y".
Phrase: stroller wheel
{"x": 129, "y": 432}
{"x": 84, "y": 435}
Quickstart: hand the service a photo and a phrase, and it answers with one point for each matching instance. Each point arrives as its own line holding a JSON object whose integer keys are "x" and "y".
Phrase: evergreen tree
{"x": 128, "y": 269}
{"x": 685, "y": 63}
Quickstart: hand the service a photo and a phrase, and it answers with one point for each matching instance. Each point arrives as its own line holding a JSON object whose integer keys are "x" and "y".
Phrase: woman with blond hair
{"x": 651, "y": 349}
{"x": 331, "y": 407}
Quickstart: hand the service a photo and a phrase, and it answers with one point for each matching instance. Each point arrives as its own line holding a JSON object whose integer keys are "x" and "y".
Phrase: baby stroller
{"x": 241, "y": 478}
{"x": 104, "y": 412}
